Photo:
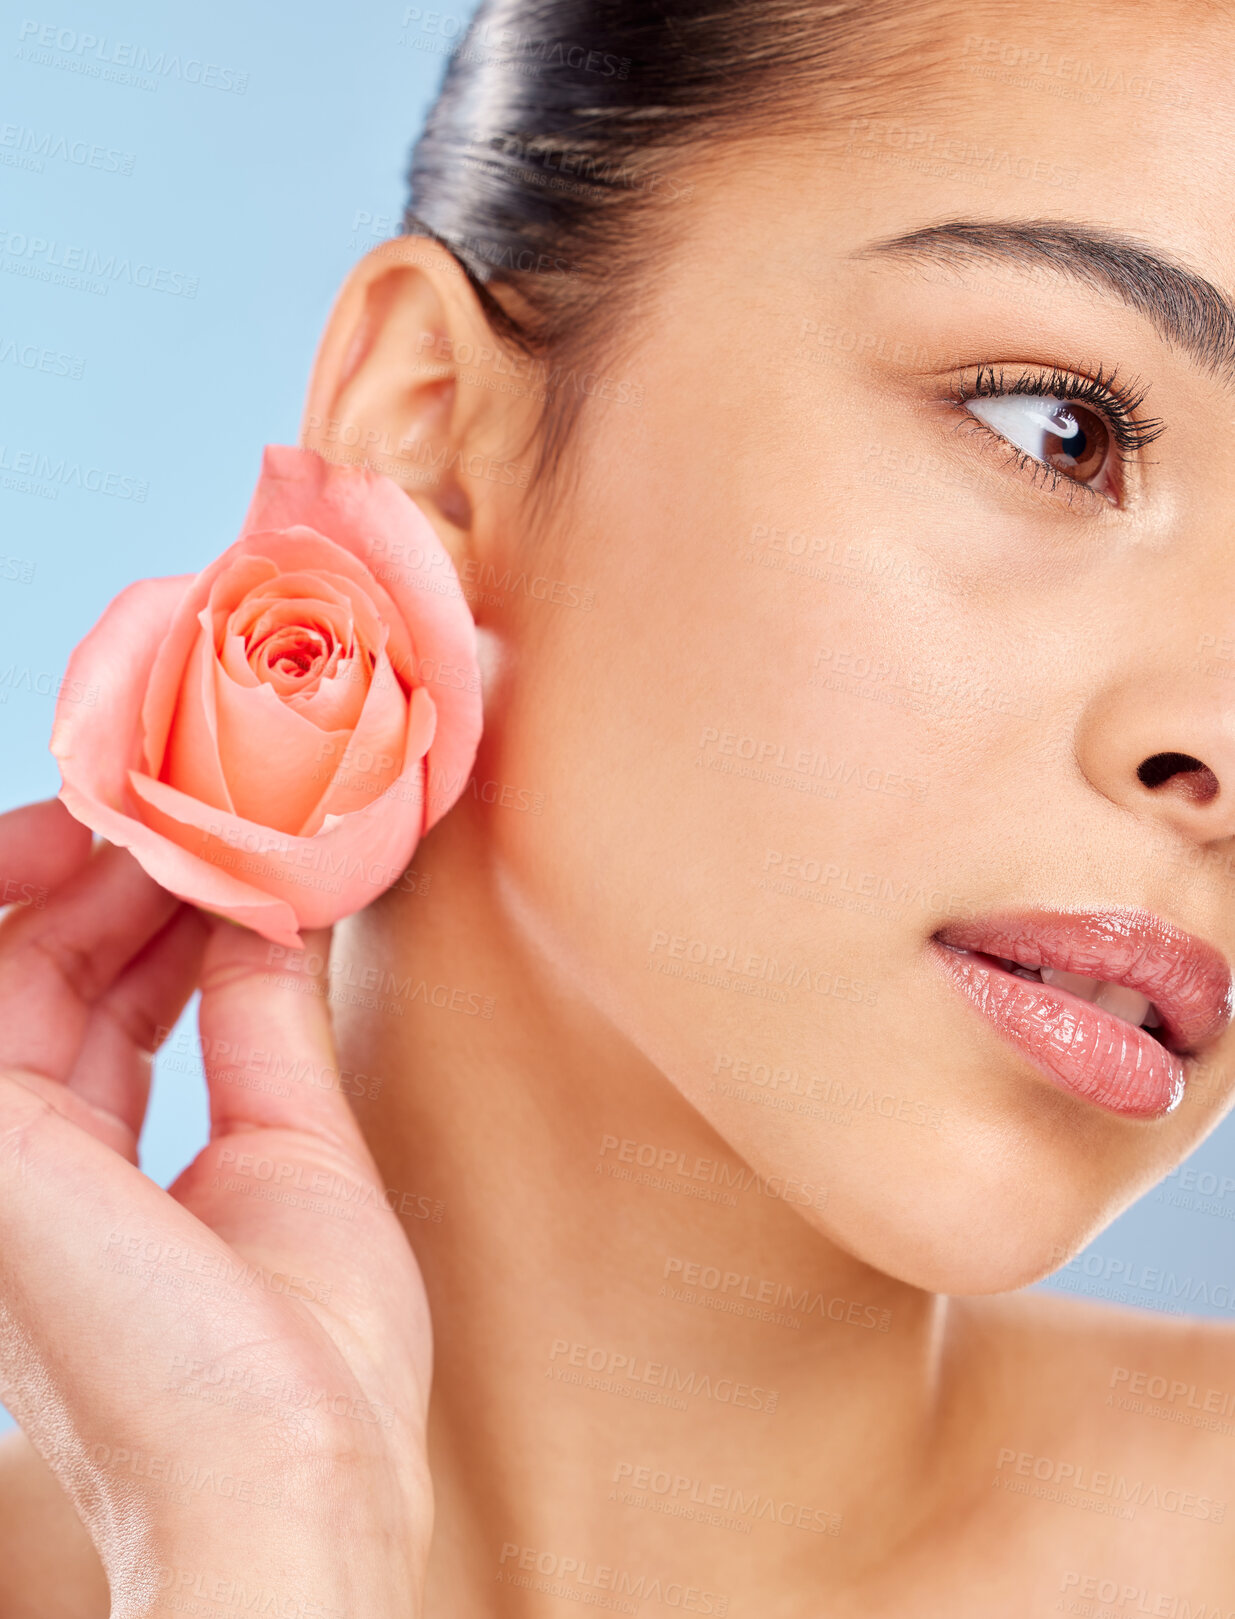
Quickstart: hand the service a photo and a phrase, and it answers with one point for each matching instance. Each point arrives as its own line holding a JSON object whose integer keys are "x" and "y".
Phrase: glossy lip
{"x": 1074, "y": 1043}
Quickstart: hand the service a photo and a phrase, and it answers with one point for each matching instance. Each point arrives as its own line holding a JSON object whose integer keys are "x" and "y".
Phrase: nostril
{"x": 1196, "y": 780}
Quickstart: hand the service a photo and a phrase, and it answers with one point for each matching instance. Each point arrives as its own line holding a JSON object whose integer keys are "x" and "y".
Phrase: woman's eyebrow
{"x": 1185, "y": 309}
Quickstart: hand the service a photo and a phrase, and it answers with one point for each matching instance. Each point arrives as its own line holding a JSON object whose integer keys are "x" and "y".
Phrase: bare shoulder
{"x": 1088, "y": 1452}
{"x": 1139, "y": 1362}
{"x": 1113, "y": 1405}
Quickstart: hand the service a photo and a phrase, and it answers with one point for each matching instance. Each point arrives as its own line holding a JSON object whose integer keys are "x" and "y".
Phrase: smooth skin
{"x": 528, "y": 1016}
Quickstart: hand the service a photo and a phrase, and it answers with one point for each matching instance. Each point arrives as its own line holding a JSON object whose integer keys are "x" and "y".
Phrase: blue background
{"x": 257, "y": 191}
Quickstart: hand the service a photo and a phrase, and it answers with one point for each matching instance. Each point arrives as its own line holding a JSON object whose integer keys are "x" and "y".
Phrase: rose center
{"x": 293, "y": 652}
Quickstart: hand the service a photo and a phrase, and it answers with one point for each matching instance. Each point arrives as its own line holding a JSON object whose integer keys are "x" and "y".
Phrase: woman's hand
{"x": 229, "y": 1379}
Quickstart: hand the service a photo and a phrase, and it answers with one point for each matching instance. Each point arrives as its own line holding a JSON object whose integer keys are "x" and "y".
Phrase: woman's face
{"x": 857, "y": 668}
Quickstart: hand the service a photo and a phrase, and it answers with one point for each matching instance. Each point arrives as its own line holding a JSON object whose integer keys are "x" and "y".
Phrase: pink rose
{"x": 271, "y": 738}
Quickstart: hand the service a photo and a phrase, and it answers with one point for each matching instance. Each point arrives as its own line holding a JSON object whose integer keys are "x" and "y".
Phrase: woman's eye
{"x": 1069, "y": 438}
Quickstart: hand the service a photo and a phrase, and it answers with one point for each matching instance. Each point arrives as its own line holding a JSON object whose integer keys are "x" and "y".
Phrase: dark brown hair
{"x": 565, "y": 128}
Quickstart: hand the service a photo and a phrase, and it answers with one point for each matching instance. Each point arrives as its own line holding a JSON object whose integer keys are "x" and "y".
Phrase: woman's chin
{"x": 973, "y": 1244}
{"x": 989, "y": 1263}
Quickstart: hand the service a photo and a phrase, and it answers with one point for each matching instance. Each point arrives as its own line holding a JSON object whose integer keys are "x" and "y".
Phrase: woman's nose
{"x": 1163, "y": 746}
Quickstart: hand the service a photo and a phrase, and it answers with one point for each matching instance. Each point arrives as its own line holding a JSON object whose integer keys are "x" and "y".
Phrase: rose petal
{"x": 191, "y": 761}
{"x": 186, "y": 875}
{"x": 235, "y": 658}
{"x": 339, "y": 870}
{"x": 160, "y": 700}
{"x": 113, "y": 663}
{"x": 234, "y": 661}
{"x": 299, "y": 549}
{"x": 244, "y": 578}
{"x": 260, "y": 616}
{"x": 331, "y": 707}
{"x": 337, "y": 702}
{"x": 273, "y": 759}
{"x": 291, "y": 658}
{"x": 364, "y": 762}
{"x": 191, "y": 845}
{"x": 261, "y": 621}
{"x": 332, "y": 590}
{"x": 108, "y": 677}
{"x": 370, "y": 515}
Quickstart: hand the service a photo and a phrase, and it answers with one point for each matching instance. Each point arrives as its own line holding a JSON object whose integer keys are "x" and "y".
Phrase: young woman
{"x": 826, "y": 409}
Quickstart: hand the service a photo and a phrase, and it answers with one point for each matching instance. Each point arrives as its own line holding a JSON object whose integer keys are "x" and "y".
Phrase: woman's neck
{"x": 640, "y": 1343}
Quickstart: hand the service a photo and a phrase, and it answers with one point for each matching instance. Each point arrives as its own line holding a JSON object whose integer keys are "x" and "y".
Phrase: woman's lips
{"x": 1086, "y": 1047}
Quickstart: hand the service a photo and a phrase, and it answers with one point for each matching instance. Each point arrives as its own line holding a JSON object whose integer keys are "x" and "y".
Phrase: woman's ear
{"x": 388, "y": 391}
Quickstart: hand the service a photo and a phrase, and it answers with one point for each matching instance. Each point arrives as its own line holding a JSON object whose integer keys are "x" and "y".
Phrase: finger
{"x": 127, "y": 1024}
{"x": 56, "y": 963}
{"x": 105, "y": 1280}
{"x": 267, "y": 1042}
{"x": 51, "y": 1569}
{"x": 287, "y": 1177}
{"x": 41, "y": 846}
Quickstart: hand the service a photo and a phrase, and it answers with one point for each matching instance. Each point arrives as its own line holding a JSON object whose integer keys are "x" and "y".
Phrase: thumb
{"x": 267, "y": 1041}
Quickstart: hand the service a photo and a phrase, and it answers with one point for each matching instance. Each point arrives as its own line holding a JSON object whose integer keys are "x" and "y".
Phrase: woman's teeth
{"x": 1117, "y": 999}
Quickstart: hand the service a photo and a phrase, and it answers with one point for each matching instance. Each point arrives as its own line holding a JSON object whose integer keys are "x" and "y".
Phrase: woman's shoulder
{"x": 1075, "y": 1388}
{"x": 1095, "y": 1445}
{"x": 1110, "y": 1349}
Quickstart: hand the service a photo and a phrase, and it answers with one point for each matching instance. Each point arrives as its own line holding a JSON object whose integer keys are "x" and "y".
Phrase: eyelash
{"x": 1115, "y": 402}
